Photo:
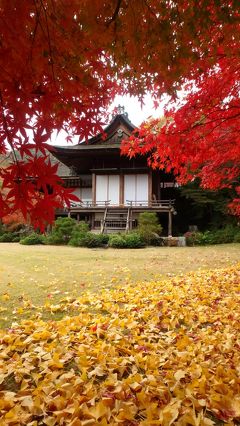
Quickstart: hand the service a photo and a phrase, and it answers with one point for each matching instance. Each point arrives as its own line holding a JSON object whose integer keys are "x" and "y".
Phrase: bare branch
{"x": 115, "y": 14}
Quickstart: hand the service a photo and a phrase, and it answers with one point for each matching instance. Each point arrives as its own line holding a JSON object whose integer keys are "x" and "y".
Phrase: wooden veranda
{"x": 116, "y": 218}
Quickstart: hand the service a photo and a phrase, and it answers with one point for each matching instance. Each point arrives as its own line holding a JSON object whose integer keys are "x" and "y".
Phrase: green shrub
{"x": 117, "y": 241}
{"x": 53, "y": 239}
{"x": 78, "y": 234}
{"x": 153, "y": 239}
{"x": 131, "y": 240}
{"x": 81, "y": 227}
{"x": 103, "y": 238}
{"x": 193, "y": 238}
{"x": 32, "y": 239}
{"x": 225, "y": 235}
{"x": 2, "y": 230}
{"x": 148, "y": 227}
{"x": 219, "y": 236}
{"x": 237, "y": 237}
{"x": 62, "y": 231}
{"x": 9, "y": 237}
{"x": 95, "y": 240}
{"x": 6, "y": 238}
{"x": 89, "y": 239}
{"x": 134, "y": 240}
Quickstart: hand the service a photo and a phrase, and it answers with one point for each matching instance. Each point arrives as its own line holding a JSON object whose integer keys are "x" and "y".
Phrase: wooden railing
{"x": 90, "y": 204}
{"x": 128, "y": 203}
{"x": 152, "y": 203}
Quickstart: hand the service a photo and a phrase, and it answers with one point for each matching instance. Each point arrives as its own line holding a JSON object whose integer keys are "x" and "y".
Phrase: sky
{"x": 137, "y": 113}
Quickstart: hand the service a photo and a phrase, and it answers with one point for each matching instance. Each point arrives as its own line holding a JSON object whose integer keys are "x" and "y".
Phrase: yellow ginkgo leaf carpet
{"x": 157, "y": 353}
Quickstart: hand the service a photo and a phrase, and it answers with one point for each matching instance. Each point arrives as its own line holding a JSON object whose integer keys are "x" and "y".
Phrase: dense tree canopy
{"x": 63, "y": 62}
{"x": 201, "y": 137}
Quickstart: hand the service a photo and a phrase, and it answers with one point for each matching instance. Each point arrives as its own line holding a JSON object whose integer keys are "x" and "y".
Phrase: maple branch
{"x": 37, "y": 22}
{"x": 221, "y": 119}
{"x": 202, "y": 136}
{"x": 7, "y": 132}
{"x": 151, "y": 11}
{"x": 115, "y": 14}
{"x": 49, "y": 45}
{"x": 6, "y": 157}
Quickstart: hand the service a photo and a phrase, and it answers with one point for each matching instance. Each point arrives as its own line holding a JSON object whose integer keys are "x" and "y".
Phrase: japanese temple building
{"x": 112, "y": 188}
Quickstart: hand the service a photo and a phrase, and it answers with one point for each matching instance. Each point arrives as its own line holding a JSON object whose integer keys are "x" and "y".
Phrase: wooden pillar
{"x": 170, "y": 223}
{"x": 121, "y": 189}
{"x": 92, "y": 220}
{"x": 93, "y": 188}
{"x": 69, "y": 213}
{"x": 78, "y": 217}
{"x": 150, "y": 187}
{"x": 49, "y": 228}
{"x": 131, "y": 220}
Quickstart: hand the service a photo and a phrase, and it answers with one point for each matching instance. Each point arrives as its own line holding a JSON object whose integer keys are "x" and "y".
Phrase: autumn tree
{"x": 62, "y": 63}
{"x": 199, "y": 139}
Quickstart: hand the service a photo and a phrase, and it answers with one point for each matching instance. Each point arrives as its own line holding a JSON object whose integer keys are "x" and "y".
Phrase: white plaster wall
{"x": 107, "y": 188}
{"x": 135, "y": 187}
{"x": 84, "y": 194}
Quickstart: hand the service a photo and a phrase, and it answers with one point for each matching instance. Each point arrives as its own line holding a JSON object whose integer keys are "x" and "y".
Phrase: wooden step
{"x": 115, "y": 219}
{"x": 117, "y": 213}
{"x": 117, "y": 210}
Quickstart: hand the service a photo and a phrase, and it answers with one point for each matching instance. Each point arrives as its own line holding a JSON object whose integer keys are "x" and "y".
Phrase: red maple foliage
{"x": 201, "y": 137}
{"x": 14, "y": 220}
{"x": 62, "y": 63}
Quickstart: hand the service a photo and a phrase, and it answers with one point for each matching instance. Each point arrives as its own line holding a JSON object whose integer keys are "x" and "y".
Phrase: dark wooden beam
{"x": 170, "y": 223}
{"x": 150, "y": 187}
{"x": 94, "y": 188}
{"x": 121, "y": 189}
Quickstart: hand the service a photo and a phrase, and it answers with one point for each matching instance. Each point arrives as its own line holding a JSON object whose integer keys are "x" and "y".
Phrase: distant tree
{"x": 208, "y": 207}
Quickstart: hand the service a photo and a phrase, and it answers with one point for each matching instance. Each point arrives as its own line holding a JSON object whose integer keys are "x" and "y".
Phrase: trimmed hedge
{"x": 32, "y": 239}
{"x": 53, "y": 239}
{"x": 132, "y": 240}
{"x": 10, "y": 237}
{"x": 89, "y": 240}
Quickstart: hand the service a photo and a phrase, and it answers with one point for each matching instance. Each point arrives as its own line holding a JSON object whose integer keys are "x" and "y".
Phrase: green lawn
{"x": 34, "y": 279}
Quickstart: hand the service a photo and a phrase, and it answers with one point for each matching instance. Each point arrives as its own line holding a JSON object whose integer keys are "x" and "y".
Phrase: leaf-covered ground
{"x": 34, "y": 278}
{"x": 156, "y": 353}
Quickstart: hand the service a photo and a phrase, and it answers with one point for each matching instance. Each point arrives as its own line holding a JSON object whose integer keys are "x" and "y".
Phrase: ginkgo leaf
{"x": 65, "y": 372}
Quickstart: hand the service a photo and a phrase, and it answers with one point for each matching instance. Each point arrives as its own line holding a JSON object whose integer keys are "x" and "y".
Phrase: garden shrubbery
{"x": 10, "y": 237}
{"x": 67, "y": 231}
{"x": 237, "y": 237}
{"x": 89, "y": 239}
{"x": 131, "y": 240}
{"x": 149, "y": 228}
{"x": 32, "y": 239}
{"x": 79, "y": 234}
{"x": 62, "y": 231}
{"x": 229, "y": 234}
{"x": 12, "y": 233}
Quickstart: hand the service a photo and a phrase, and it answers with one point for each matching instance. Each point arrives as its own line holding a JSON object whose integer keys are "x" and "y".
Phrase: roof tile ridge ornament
{"x": 119, "y": 110}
